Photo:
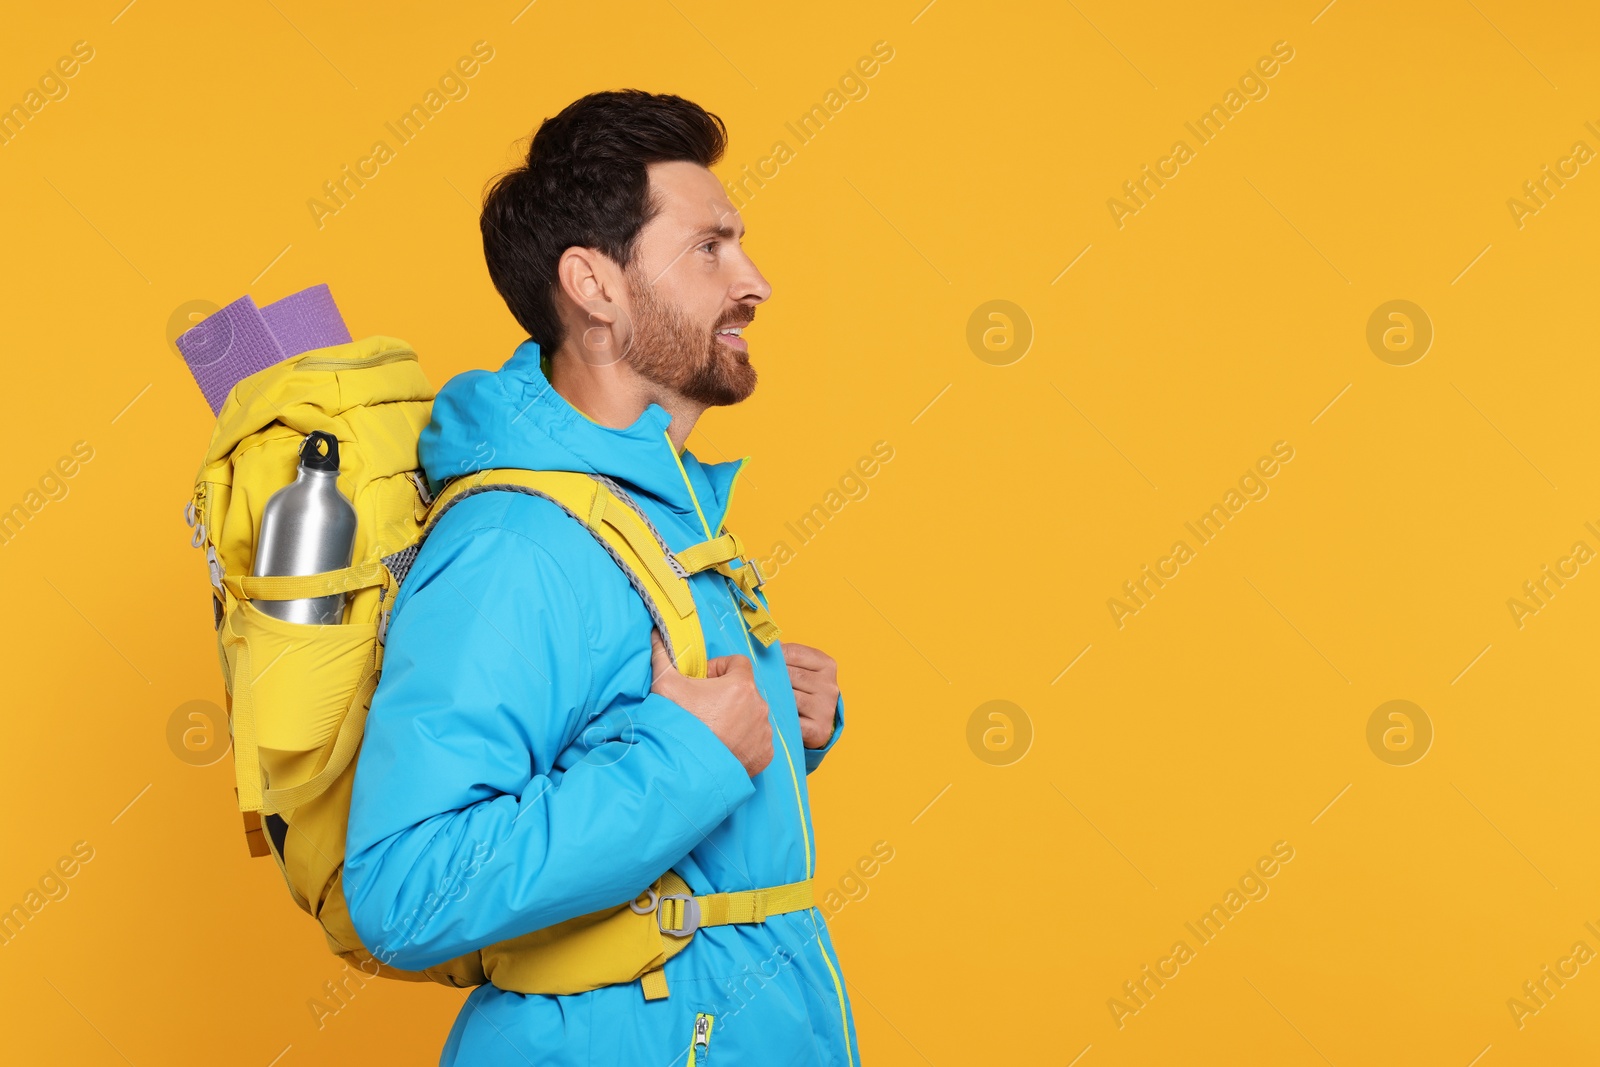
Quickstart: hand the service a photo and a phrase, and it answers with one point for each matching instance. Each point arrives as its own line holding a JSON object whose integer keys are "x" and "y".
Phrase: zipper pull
{"x": 702, "y": 1040}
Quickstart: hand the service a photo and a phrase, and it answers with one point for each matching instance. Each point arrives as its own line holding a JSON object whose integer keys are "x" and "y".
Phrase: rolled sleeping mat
{"x": 240, "y": 339}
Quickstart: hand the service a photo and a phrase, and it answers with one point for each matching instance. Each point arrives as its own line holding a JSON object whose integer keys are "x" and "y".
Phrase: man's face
{"x": 689, "y": 280}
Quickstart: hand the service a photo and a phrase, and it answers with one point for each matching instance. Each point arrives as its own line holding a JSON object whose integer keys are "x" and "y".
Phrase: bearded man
{"x": 532, "y": 753}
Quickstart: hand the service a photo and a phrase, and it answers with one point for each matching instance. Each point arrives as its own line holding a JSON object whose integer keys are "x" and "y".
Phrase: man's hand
{"x": 815, "y": 678}
{"x": 726, "y": 700}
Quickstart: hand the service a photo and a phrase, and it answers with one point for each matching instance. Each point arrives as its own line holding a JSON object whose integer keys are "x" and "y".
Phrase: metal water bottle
{"x": 308, "y": 527}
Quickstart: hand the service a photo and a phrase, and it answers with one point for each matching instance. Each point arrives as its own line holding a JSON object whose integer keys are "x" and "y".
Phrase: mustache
{"x": 744, "y": 320}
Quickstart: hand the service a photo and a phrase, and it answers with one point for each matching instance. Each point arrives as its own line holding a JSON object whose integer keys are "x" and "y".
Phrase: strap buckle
{"x": 755, "y": 578}
{"x": 691, "y": 915}
{"x": 746, "y": 579}
{"x": 634, "y": 903}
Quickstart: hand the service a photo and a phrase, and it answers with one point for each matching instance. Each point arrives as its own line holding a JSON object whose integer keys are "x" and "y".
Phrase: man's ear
{"x": 592, "y": 285}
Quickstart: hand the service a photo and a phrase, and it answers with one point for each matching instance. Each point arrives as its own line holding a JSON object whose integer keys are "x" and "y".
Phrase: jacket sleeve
{"x": 814, "y": 755}
{"x": 463, "y": 829}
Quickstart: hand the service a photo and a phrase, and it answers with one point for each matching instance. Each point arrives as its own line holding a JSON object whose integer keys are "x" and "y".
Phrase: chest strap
{"x": 718, "y": 554}
{"x": 680, "y": 913}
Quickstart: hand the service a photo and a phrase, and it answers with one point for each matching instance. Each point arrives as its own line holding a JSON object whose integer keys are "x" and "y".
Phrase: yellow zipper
{"x": 688, "y": 485}
{"x": 805, "y": 837}
{"x": 394, "y": 355}
{"x": 805, "y": 834}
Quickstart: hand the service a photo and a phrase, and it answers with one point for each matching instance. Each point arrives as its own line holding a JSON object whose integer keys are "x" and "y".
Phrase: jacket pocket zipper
{"x": 700, "y": 1050}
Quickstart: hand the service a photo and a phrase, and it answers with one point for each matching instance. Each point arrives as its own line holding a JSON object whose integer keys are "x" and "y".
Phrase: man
{"x": 532, "y": 754}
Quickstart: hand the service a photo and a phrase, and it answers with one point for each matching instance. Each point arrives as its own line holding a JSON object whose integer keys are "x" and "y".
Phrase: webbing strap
{"x": 741, "y": 906}
{"x": 716, "y": 909}
{"x": 747, "y": 580}
{"x": 304, "y": 586}
{"x": 242, "y": 716}
{"x": 622, "y": 519}
{"x": 654, "y": 984}
{"x": 707, "y": 554}
{"x": 718, "y": 553}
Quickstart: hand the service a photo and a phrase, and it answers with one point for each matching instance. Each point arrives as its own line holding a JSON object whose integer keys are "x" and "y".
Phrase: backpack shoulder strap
{"x": 621, "y": 527}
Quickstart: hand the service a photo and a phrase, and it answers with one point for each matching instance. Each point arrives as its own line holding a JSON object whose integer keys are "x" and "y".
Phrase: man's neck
{"x": 614, "y": 396}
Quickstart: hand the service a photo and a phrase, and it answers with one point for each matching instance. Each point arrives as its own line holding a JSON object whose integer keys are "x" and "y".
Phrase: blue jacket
{"x": 514, "y": 735}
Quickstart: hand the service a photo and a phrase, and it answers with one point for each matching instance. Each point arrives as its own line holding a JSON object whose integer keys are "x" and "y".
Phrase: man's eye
{"x": 709, "y": 245}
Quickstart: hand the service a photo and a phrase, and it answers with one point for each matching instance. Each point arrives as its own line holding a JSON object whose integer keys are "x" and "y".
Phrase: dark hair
{"x": 584, "y": 184}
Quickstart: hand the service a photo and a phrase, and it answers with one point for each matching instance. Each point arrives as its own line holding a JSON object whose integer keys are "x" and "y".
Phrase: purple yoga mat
{"x": 235, "y": 342}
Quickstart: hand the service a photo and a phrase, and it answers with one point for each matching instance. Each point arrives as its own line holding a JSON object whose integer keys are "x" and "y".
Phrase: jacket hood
{"x": 513, "y": 417}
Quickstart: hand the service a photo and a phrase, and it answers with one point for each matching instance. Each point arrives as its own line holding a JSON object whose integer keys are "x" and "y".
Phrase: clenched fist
{"x": 814, "y": 676}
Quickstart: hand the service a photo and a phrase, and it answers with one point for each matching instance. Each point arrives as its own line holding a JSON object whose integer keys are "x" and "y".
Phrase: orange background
{"x": 1230, "y": 312}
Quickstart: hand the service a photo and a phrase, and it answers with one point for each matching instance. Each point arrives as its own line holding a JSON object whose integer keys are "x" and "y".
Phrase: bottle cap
{"x": 320, "y": 452}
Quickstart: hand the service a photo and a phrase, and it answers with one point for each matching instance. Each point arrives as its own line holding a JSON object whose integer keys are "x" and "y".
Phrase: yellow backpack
{"x": 298, "y": 694}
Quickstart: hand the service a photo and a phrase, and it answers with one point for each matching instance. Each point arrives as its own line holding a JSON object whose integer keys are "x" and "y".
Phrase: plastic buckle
{"x": 214, "y": 565}
{"x": 420, "y": 480}
{"x": 746, "y": 587}
{"x": 747, "y": 578}
{"x": 634, "y": 903}
{"x": 691, "y": 914}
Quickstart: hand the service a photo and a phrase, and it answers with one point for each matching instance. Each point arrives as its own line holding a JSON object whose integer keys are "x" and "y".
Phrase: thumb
{"x": 661, "y": 665}
{"x": 725, "y": 665}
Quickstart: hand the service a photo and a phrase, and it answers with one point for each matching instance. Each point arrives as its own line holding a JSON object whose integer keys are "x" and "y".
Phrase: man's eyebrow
{"x": 723, "y": 230}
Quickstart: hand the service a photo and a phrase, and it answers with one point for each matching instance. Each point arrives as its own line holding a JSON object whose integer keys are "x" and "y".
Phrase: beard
{"x": 669, "y": 349}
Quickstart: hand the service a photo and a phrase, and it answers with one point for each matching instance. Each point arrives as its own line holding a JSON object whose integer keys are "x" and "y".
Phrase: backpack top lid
{"x": 317, "y": 390}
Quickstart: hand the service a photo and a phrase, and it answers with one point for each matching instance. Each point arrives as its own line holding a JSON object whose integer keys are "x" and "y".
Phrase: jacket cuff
{"x": 814, "y": 755}
{"x": 721, "y": 768}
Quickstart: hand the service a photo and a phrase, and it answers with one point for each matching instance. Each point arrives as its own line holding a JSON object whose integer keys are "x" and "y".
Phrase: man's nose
{"x": 750, "y": 287}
